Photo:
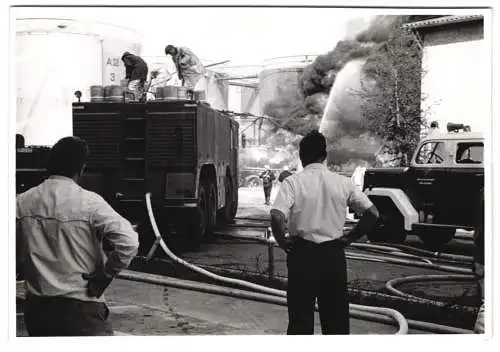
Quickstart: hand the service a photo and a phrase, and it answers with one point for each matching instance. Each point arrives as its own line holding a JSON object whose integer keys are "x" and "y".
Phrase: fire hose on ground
{"x": 390, "y": 285}
{"x": 355, "y": 309}
{"x": 464, "y": 274}
{"x": 417, "y": 261}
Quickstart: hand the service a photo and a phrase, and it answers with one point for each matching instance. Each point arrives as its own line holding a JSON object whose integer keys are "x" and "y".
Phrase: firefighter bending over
{"x": 136, "y": 72}
{"x": 189, "y": 68}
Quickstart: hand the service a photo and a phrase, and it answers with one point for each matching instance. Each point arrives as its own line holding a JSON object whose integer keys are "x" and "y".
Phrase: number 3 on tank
{"x": 112, "y": 77}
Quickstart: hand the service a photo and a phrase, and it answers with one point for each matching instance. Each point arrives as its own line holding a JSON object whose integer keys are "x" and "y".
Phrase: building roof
{"x": 444, "y": 20}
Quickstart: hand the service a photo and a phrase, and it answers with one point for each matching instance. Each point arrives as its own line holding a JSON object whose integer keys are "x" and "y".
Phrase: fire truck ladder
{"x": 134, "y": 156}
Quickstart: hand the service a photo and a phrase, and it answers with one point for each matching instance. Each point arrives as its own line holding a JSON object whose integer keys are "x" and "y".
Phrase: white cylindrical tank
{"x": 55, "y": 58}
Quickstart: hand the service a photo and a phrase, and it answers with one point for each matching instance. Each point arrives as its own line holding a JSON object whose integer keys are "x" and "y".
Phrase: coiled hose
{"x": 422, "y": 278}
{"x": 392, "y": 313}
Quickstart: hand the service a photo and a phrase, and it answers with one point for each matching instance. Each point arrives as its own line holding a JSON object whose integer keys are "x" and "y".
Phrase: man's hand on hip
{"x": 97, "y": 283}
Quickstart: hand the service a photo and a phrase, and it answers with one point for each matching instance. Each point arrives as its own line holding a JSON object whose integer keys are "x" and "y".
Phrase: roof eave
{"x": 442, "y": 21}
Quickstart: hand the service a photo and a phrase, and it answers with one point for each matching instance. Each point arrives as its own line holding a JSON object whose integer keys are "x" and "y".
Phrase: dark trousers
{"x": 317, "y": 271}
{"x": 267, "y": 193}
{"x": 57, "y": 316}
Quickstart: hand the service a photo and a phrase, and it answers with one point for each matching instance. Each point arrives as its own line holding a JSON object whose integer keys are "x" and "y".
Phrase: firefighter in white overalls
{"x": 189, "y": 68}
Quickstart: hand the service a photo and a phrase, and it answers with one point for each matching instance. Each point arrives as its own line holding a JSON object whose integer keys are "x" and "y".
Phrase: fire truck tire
{"x": 435, "y": 238}
{"x": 227, "y": 214}
{"x": 199, "y": 228}
{"x": 211, "y": 209}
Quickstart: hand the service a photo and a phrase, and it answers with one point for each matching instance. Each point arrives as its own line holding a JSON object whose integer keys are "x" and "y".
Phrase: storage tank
{"x": 243, "y": 88}
{"x": 217, "y": 90}
{"x": 280, "y": 78}
{"x": 56, "y": 57}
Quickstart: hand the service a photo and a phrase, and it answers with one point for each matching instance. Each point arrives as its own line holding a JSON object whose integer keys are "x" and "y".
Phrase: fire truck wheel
{"x": 211, "y": 209}
{"x": 435, "y": 238}
{"x": 227, "y": 214}
{"x": 197, "y": 228}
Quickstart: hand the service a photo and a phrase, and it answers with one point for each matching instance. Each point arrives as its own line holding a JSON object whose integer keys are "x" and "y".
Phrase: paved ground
{"x": 147, "y": 309}
{"x": 144, "y": 309}
{"x": 253, "y": 257}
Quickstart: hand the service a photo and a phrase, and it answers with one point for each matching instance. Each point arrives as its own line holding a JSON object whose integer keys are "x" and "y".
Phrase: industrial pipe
{"x": 394, "y": 314}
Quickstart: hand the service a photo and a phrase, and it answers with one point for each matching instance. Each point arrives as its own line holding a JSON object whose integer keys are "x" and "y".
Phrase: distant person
{"x": 60, "y": 230}
{"x": 267, "y": 177}
{"x": 189, "y": 67}
{"x": 136, "y": 72}
{"x": 434, "y": 129}
{"x": 314, "y": 202}
{"x": 284, "y": 174}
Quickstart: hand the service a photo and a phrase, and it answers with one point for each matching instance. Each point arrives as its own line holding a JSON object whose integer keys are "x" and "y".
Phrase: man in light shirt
{"x": 60, "y": 230}
{"x": 189, "y": 67}
{"x": 314, "y": 202}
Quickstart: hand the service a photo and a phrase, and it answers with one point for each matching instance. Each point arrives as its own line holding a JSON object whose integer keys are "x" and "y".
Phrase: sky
{"x": 246, "y": 36}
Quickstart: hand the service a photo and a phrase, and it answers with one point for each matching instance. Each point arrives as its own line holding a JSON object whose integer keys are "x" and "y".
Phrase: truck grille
{"x": 102, "y": 134}
{"x": 171, "y": 140}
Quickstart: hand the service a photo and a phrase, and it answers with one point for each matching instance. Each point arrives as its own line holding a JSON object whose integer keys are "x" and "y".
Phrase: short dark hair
{"x": 312, "y": 148}
{"x": 68, "y": 156}
{"x": 169, "y": 48}
{"x": 125, "y": 54}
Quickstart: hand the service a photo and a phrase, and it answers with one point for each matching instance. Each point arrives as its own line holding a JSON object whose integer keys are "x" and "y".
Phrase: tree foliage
{"x": 391, "y": 94}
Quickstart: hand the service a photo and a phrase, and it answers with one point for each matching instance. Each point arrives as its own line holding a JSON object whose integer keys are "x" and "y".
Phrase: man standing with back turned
{"x": 60, "y": 229}
{"x": 314, "y": 201}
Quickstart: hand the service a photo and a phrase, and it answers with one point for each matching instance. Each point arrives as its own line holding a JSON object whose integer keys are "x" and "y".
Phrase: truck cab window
{"x": 431, "y": 153}
{"x": 469, "y": 153}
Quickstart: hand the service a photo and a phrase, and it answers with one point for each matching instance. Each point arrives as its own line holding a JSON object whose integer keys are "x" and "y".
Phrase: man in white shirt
{"x": 314, "y": 201}
{"x": 60, "y": 231}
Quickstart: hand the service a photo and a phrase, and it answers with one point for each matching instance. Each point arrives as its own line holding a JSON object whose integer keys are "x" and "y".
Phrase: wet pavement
{"x": 148, "y": 309}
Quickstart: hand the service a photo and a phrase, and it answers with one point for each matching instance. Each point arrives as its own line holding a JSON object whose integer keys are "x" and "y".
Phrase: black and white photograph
{"x": 248, "y": 170}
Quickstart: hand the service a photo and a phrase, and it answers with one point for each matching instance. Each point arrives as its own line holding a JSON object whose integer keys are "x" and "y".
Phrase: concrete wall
{"x": 455, "y": 81}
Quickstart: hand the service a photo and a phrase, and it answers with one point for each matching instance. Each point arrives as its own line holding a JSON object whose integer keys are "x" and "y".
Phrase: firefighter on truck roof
{"x": 136, "y": 72}
{"x": 189, "y": 68}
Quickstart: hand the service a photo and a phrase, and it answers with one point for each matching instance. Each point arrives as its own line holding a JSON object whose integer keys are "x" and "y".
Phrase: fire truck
{"x": 183, "y": 152}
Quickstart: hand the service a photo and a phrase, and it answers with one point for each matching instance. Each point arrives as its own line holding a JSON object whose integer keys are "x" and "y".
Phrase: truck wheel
{"x": 388, "y": 229}
{"x": 227, "y": 214}
{"x": 211, "y": 210}
{"x": 197, "y": 228}
{"x": 435, "y": 238}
